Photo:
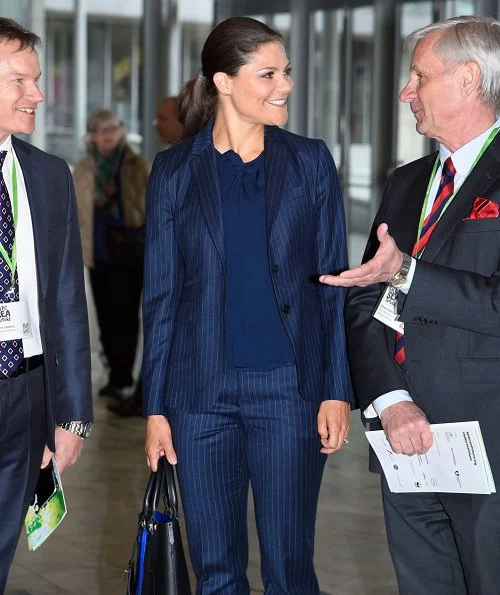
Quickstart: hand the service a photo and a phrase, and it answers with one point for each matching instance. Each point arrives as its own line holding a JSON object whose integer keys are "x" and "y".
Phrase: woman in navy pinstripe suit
{"x": 245, "y": 370}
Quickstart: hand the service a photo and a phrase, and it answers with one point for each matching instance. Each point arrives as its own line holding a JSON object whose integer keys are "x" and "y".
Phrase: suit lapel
{"x": 275, "y": 158}
{"x": 484, "y": 174}
{"x": 204, "y": 172}
{"x": 36, "y": 190}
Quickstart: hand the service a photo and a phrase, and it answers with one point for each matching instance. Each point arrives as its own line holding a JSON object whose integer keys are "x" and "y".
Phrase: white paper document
{"x": 456, "y": 462}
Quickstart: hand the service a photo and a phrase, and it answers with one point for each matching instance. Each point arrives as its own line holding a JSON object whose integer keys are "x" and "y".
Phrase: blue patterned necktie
{"x": 11, "y": 352}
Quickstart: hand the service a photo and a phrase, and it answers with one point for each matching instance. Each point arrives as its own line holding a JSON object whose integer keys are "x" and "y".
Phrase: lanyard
{"x": 486, "y": 144}
{"x": 12, "y": 260}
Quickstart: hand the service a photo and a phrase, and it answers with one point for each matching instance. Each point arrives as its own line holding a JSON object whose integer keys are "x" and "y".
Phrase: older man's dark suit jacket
{"x": 184, "y": 291}
{"x": 61, "y": 295}
{"x": 452, "y": 311}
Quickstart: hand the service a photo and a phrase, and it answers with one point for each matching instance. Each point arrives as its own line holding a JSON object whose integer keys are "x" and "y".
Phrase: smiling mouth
{"x": 26, "y": 110}
{"x": 277, "y": 102}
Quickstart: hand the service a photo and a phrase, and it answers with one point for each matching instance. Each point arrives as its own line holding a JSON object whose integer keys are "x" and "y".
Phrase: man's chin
{"x": 420, "y": 128}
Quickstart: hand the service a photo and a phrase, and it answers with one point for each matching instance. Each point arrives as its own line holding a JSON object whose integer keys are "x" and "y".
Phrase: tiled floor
{"x": 89, "y": 551}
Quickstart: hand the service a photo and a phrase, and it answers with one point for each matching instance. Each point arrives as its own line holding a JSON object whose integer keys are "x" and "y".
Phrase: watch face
{"x": 399, "y": 282}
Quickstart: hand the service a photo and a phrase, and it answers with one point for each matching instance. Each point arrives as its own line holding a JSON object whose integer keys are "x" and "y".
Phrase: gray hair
{"x": 102, "y": 116}
{"x": 468, "y": 39}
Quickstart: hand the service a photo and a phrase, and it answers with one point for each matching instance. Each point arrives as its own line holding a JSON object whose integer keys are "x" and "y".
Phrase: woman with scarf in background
{"x": 110, "y": 183}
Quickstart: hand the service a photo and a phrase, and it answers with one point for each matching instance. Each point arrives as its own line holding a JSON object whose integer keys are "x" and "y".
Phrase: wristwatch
{"x": 80, "y": 428}
{"x": 399, "y": 278}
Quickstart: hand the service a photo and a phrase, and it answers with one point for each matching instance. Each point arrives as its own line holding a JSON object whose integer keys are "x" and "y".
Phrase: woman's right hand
{"x": 159, "y": 441}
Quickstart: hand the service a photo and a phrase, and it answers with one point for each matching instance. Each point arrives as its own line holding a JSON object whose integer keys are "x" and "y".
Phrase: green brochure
{"x": 48, "y": 507}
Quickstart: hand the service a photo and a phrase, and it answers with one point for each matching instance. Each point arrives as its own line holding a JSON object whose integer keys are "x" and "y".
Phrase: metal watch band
{"x": 400, "y": 277}
{"x": 81, "y": 429}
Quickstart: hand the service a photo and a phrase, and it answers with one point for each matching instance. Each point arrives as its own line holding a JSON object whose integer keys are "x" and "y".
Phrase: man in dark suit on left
{"x": 45, "y": 389}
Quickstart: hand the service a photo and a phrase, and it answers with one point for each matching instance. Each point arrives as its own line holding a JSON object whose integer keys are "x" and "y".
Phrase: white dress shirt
{"x": 26, "y": 262}
{"x": 463, "y": 160}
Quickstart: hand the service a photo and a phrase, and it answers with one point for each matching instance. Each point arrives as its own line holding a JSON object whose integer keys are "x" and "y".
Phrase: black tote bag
{"x": 158, "y": 565}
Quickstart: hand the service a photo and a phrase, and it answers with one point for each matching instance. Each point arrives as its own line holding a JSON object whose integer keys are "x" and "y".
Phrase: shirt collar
{"x": 7, "y": 144}
{"x": 464, "y": 157}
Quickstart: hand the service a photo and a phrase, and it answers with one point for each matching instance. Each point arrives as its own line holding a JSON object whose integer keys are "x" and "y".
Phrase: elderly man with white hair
{"x": 435, "y": 244}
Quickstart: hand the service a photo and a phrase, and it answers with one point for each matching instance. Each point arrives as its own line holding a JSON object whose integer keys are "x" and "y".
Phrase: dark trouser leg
{"x": 422, "y": 544}
{"x": 475, "y": 520}
{"x": 22, "y": 440}
{"x": 286, "y": 467}
{"x": 213, "y": 481}
{"x": 117, "y": 295}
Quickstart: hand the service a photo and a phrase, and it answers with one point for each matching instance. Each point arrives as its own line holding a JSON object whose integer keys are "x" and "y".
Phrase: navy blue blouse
{"x": 255, "y": 336}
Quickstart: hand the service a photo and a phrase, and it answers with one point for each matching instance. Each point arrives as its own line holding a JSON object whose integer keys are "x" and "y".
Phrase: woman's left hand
{"x": 334, "y": 421}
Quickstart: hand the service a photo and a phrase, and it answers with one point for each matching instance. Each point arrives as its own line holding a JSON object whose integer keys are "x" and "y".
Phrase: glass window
{"x": 60, "y": 83}
{"x": 453, "y": 8}
{"x": 360, "y": 150}
{"x": 328, "y": 87}
{"x": 411, "y": 145}
{"x": 193, "y": 38}
{"x": 282, "y": 22}
{"x": 97, "y": 60}
{"x": 121, "y": 56}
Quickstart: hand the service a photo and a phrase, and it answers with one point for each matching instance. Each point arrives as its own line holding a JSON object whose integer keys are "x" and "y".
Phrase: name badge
{"x": 14, "y": 321}
{"x": 386, "y": 311}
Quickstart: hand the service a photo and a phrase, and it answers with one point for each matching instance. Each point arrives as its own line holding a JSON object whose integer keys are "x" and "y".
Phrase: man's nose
{"x": 407, "y": 93}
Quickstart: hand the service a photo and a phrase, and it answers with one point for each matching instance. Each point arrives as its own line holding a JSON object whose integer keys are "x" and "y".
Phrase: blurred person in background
{"x": 245, "y": 367}
{"x": 110, "y": 184}
{"x": 169, "y": 130}
{"x": 167, "y": 122}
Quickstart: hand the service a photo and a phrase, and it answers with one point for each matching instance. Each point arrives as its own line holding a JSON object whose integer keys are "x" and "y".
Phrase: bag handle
{"x": 161, "y": 486}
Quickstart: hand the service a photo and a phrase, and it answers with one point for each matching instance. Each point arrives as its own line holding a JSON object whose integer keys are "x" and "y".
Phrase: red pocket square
{"x": 484, "y": 209}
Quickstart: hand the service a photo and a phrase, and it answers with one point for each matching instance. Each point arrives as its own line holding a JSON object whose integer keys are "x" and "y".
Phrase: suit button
{"x": 275, "y": 268}
{"x": 286, "y": 308}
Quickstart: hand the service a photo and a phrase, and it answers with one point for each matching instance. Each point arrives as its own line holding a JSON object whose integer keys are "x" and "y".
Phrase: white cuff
{"x": 384, "y": 401}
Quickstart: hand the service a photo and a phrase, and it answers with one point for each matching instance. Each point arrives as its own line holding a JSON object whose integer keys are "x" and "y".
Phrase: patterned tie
{"x": 11, "y": 352}
{"x": 445, "y": 191}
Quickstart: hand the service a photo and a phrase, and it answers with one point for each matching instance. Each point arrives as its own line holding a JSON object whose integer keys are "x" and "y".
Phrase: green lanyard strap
{"x": 12, "y": 260}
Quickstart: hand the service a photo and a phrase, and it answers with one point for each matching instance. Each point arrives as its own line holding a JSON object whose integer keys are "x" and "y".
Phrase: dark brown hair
{"x": 228, "y": 47}
{"x": 12, "y": 31}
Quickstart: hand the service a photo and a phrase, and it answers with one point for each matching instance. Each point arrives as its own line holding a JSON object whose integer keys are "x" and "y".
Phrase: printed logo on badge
{"x": 5, "y": 312}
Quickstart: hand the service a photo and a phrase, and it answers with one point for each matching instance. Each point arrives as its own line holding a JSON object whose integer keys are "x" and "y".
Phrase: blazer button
{"x": 286, "y": 308}
{"x": 275, "y": 268}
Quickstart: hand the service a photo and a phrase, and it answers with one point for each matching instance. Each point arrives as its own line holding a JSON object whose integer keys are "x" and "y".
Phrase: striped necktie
{"x": 445, "y": 191}
{"x": 11, "y": 352}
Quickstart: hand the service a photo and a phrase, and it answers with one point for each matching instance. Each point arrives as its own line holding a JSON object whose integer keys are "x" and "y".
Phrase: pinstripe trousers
{"x": 260, "y": 431}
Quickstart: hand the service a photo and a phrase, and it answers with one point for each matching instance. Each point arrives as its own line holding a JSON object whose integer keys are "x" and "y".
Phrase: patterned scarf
{"x": 106, "y": 189}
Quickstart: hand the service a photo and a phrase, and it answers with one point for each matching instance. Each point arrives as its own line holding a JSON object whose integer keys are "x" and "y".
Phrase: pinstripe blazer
{"x": 184, "y": 285}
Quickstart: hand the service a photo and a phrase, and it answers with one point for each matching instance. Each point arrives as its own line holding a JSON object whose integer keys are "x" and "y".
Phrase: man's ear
{"x": 471, "y": 77}
{"x": 223, "y": 83}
